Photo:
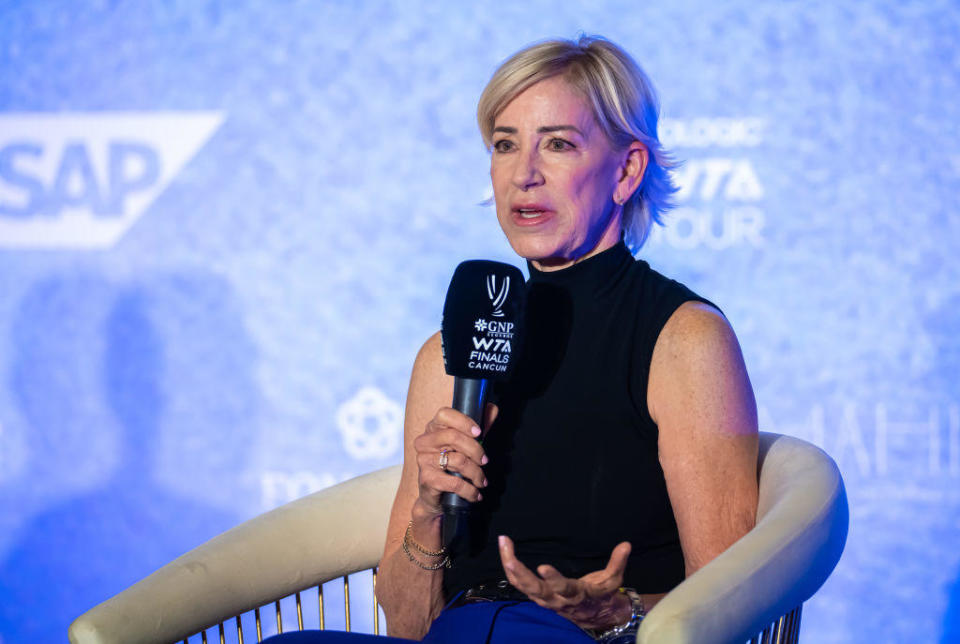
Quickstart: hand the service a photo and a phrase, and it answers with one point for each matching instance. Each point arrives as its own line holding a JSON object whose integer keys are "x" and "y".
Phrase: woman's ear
{"x": 632, "y": 169}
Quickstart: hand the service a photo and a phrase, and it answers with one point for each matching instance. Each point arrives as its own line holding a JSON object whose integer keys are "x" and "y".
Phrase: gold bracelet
{"x": 445, "y": 562}
{"x": 408, "y": 538}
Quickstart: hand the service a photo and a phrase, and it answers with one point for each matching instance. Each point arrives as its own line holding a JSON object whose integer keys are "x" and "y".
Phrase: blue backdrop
{"x": 227, "y": 227}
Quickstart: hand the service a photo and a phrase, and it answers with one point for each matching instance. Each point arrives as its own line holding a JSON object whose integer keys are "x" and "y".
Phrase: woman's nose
{"x": 526, "y": 173}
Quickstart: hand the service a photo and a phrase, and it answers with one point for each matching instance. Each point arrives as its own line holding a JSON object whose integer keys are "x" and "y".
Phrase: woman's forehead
{"x": 547, "y": 103}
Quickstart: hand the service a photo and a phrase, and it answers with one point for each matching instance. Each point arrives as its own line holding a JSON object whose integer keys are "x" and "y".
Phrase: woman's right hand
{"x": 456, "y": 433}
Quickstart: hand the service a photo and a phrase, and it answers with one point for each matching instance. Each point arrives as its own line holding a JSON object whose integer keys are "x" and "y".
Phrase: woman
{"x": 623, "y": 451}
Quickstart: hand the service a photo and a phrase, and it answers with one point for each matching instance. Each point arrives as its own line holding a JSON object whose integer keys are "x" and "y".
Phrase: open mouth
{"x": 529, "y": 213}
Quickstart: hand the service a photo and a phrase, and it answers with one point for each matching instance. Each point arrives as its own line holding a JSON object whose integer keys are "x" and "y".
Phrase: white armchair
{"x": 752, "y": 590}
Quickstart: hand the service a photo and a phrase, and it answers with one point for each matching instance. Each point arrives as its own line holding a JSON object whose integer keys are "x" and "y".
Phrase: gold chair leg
{"x": 239, "y": 630}
{"x": 299, "y": 614}
{"x": 785, "y": 630}
{"x": 346, "y": 600}
{"x": 778, "y": 630}
{"x": 256, "y": 619}
{"x": 376, "y": 606}
{"x": 279, "y": 617}
{"x": 320, "y": 601}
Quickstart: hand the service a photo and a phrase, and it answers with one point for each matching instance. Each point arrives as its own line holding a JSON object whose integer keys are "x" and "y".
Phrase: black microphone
{"x": 481, "y": 336}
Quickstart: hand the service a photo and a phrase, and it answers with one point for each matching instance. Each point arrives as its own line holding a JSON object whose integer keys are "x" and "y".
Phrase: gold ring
{"x": 443, "y": 459}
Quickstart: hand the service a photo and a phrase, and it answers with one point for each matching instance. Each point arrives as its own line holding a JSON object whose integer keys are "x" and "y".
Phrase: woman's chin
{"x": 548, "y": 259}
{"x": 534, "y": 250}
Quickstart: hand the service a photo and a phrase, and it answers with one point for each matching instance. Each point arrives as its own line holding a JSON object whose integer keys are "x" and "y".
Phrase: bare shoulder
{"x": 430, "y": 389}
{"x": 430, "y": 386}
{"x": 433, "y": 347}
{"x": 693, "y": 328}
{"x": 697, "y": 365}
{"x": 431, "y": 352}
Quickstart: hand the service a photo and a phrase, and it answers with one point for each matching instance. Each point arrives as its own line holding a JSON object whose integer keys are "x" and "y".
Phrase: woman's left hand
{"x": 592, "y": 601}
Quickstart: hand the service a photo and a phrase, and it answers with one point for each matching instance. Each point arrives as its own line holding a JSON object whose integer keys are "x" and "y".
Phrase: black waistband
{"x": 492, "y": 592}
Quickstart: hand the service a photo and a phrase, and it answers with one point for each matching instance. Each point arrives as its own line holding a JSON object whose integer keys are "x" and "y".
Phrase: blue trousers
{"x": 479, "y": 623}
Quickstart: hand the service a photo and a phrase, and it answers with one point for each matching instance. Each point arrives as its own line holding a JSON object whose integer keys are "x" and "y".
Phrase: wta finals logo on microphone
{"x": 492, "y": 350}
{"x": 480, "y": 319}
{"x": 497, "y": 297}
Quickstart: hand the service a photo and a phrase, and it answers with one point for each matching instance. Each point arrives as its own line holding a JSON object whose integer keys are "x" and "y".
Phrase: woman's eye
{"x": 502, "y": 145}
{"x": 559, "y": 145}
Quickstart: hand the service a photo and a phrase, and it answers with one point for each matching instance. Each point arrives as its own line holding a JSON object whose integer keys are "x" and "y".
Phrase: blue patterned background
{"x": 283, "y": 189}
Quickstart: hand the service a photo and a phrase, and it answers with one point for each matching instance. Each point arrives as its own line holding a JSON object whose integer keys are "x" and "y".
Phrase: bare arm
{"x": 700, "y": 396}
{"x": 411, "y": 596}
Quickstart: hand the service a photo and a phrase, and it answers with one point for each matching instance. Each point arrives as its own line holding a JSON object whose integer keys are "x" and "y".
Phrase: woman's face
{"x": 555, "y": 176}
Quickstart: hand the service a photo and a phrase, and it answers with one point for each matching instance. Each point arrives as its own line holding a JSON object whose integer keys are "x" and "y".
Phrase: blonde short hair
{"x": 623, "y": 101}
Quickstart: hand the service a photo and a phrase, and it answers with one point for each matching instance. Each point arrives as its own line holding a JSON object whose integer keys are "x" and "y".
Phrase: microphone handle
{"x": 469, "y": 397}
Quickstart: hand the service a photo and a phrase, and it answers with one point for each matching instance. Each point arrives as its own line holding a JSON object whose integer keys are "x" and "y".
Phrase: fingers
{"x": 434, "y": 481}
{"x": 455, "y": 433}
{"x": 603, "y": 582}
{"x": 453, "y": 430}
{"x": 432, "y": 487}
{"x": 557, "y": 583}
{"x": 456, "y": 462}
{"x": 587, "y": 601}
{"x": 521, "y": 577}
{"x": 449, "y": 417}
{"x": 551, "y": 590}
{"x": 618, "y": 559}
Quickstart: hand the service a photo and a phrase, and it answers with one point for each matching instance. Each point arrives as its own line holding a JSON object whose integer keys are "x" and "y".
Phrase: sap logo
{"x": 731, "y": 179}
{"x": 82, "y": 180}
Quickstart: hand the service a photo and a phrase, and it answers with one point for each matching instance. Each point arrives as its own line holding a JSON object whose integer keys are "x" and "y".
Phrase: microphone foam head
{"x": 483, "y": 320}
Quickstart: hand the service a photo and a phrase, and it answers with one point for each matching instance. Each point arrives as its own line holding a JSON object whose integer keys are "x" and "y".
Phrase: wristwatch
{"x": 625, "y": 632}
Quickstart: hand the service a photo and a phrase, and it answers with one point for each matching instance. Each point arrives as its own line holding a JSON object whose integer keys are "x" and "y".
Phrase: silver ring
{"x": 443, "y": 459}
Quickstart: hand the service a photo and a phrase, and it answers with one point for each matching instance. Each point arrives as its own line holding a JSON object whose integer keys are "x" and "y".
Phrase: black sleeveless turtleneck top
{"x": 573, "y": 465}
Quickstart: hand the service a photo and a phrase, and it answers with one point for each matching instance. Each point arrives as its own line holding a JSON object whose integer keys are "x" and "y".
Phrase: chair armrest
{"x": 322, "y": 536}
{"x": 801, "y": 529}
